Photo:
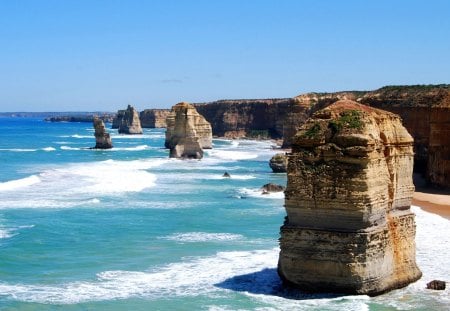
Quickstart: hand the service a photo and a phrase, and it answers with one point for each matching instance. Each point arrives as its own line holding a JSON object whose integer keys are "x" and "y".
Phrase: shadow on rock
{"x": 267, "y": 282}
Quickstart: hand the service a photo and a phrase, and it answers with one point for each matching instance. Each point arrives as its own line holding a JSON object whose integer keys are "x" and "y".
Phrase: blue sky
{"x": 68, "y": 55}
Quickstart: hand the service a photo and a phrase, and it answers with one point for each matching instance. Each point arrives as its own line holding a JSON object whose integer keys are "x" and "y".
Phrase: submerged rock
{"x": 187, "y": 132}
{"x": 436, "y": 285}
{"x": 226, "y": 175}
{"x": 129, "y": 122}
{"x": 278, "y": 163}
{"x": 102, "y": 138}
{"x": 349, "y": 227}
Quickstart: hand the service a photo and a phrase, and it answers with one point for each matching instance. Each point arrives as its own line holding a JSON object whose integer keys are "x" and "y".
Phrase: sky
{"x": 95, "y": 55}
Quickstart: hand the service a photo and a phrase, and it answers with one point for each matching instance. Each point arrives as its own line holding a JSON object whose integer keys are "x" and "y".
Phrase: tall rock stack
{"x": 349, "y": 227}
{"x": 130, "y": 123}
{"x": 188, "y": 133}
{"x": 102, "y": 138}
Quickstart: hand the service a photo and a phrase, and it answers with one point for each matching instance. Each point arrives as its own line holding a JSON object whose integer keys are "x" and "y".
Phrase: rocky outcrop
{"x": 436, "y": 285}
{"x": 278, "y": 163}
{"x": 188, "y": 133}
{"x": 154, "y": 118}
{"x": 102, "y": 138}
{"x": 349, "y": 227}
{"x": 270, "y": 187}
{"x": 129, "y": 122}
{"x": 117, "y": 119}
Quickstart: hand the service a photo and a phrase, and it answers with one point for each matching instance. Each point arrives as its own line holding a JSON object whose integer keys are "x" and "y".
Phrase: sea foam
{"x": 19, "y": 183}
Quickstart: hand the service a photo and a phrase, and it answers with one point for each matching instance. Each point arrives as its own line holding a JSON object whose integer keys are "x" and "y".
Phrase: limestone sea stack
{"x": 130, "y": 123}
{"x": 188, "y": 133}
{"x": 349, "y": 227}
{"x": 102, "y": 138}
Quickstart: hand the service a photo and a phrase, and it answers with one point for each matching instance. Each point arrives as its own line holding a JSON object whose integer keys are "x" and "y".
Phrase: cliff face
{"x": 349, "y": 227}
{"x": 117, "y": 119}
{"x": 154, "y": 118}
{"x": 425, "y": 111}
{"x": 102, "y": 138}
{"x": 188, "y": 133}
{"x": 129, "y": 123}
{"x": 261, "y": 118}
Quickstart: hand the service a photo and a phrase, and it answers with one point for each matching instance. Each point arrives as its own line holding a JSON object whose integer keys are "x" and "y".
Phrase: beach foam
{"x": 192, "y": 237}
{"x": 258, "y": 193}
{"x": 19, "y": 183}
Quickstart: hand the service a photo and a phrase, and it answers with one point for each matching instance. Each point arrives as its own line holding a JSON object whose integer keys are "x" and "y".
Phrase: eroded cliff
{"x": 154, "y": 118}
{"x": 349, "y": 227}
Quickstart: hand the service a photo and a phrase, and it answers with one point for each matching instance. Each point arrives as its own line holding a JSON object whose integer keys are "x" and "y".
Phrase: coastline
{"x": 430, "y": 199}
{"x": 433, "y": 203}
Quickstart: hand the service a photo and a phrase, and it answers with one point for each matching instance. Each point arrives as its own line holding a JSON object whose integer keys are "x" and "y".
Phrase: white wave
{"x": 19, "y": 183}
{"x": 80, "y": 136}
{"x": 76, "y": 184}
{"x": 48, "y": 149}
{"x": 138, "y": 136}
{"x": 5, "y": 233}
{"x": 258, "y": 193}
{"x": 203, "y": 237}
{"x": 69, "y": 148}
{"x": 231, "y": 155}
{"x": 188, "y": 278}
{"x": 18, "y": 149}
{"x": 136, "y": 148}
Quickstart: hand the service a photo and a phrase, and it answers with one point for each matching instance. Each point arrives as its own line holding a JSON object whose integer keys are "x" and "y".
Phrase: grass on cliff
{"x": 348, "y": 119}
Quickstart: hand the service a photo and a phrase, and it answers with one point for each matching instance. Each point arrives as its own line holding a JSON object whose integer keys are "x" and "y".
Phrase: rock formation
{"x": 349, "y": 227}
{"x": 129, "y": 122}
{"x": 278, "y": 163}
{"x": 154, "y": 118}
{"x": 253, "y": 118}
{"x": 270, "y": 187}
{"x": 436, "y": 285}
{"x": 102, "y": 138}
{"x": 117, "y": 119}
{"x": 188, "y": 133}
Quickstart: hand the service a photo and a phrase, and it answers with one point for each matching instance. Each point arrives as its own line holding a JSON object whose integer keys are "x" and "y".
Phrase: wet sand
{"x": 430, "y": 199}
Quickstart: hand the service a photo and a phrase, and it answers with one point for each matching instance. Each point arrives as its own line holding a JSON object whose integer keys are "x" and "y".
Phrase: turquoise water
{"x": 130, "y": 229}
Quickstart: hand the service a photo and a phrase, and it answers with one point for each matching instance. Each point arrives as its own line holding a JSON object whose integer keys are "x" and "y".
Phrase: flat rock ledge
{"x": 349, "y": 228}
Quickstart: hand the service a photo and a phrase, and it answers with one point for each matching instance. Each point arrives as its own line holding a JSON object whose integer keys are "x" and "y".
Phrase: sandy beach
{"x": 430, "y": 199}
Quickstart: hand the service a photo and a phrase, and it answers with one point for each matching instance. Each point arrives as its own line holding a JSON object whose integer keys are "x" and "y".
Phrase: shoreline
{"x": 434, "y": 203}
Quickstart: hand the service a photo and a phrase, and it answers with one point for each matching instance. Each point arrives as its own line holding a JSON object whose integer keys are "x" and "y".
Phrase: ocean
{"x": 131, "y": 229}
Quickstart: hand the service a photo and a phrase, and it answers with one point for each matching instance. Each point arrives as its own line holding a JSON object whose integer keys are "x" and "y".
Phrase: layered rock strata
{"x": 154, "y": 118}
{"x": 253, "y": 118}
{"x": 129, "y": 121}
{"x": 102, "y": 137}
{"x": 188, "y": 133}
{"x": 349, "y": 227}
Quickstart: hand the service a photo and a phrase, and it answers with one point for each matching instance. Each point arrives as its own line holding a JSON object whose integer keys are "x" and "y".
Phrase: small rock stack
{"x": 102, "y": 138}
